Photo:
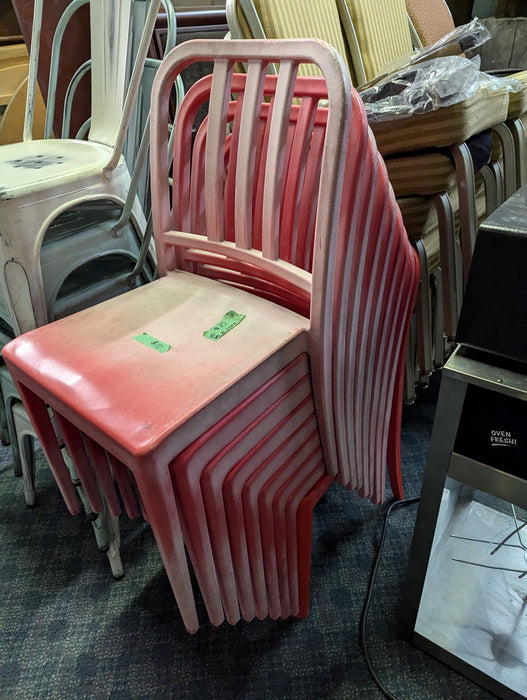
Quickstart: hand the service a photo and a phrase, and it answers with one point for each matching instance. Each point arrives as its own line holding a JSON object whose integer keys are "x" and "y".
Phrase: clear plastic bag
{"x": 424, "y": 87}
{"x": 459, "y": 40}
{"x": 430, "y": 85}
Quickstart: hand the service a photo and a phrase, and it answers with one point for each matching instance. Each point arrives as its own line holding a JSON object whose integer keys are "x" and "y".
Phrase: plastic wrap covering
{"x": 460, "y": 39}
{"x": 499, "y": 81}
{"x": 427, "y": 86}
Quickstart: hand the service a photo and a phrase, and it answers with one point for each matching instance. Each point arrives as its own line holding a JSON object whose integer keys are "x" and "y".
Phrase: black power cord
{"x": 363, "y": 636}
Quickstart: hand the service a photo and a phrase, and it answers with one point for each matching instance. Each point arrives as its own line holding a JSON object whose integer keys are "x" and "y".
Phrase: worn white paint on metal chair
{"x": 96, "y": 247}
{"x": 44, "y": 179}
{"x": 118, "y": 252}
{"x": 92, "y": 250}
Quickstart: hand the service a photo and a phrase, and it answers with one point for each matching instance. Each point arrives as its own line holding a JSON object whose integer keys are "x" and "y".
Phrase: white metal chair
{"x": 42, "y": 179}
{"x": 94, "y": 249}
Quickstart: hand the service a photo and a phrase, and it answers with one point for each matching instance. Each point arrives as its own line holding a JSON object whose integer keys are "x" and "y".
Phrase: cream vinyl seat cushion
{"x": 415, "y": 174}
{"x": 421, "y": 174}
{"x": 518, "y": 99}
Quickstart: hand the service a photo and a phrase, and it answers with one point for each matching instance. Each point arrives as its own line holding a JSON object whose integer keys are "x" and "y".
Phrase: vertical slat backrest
{"x": 376, "y": 276}
{"x": 317, "y": 287}
{"x": 274, "y": 179}
{"x": 214, "y": 179}
{"x": 302, "y": 161}
{"x": 272, "y": 173}
{"x": 300, "y": 183}
{"x": 246, "y": 154}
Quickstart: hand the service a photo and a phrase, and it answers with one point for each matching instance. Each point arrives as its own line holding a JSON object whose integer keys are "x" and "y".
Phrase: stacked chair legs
{"x": 22, "y": 438}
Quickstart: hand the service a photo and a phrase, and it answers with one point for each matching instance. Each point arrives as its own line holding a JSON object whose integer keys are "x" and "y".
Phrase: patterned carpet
{"x": 68, "y": 630}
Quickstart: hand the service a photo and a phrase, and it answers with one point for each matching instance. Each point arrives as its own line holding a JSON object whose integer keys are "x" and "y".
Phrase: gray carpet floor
{"x": 68, "y": 630}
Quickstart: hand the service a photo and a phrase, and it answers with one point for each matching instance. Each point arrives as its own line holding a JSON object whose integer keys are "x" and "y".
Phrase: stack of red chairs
{"x": 223, "y": 398}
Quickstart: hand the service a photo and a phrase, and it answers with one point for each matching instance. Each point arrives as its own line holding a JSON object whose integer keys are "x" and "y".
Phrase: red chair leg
{"x": 305, "y": 520}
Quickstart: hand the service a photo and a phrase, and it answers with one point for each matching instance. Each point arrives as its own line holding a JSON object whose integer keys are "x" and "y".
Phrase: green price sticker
{"x": 151, "y": 342}
{"x": 227, "y": 323}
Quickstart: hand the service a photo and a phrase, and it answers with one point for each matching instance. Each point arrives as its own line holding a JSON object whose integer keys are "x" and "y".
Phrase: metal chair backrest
{"x": 333, "y": 21}
{"x": 114, "y": 86}
{"x": 136, "y": 144}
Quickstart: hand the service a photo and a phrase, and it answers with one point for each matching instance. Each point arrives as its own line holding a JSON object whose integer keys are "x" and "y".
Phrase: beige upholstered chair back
{"x": 288, "y": 19}
{"x": 382, "y": 33}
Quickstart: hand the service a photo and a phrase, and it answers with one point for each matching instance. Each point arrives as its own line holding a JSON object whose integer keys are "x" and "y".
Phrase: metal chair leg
{"x": 423, "y": 314}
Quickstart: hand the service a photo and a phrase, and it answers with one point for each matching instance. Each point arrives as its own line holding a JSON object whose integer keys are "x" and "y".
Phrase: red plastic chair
{"x": 230, "y": 443}
{"x": 296, "y": 236}
{"x": 297, "y": 227}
